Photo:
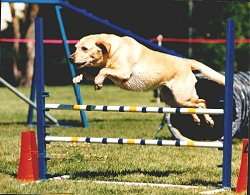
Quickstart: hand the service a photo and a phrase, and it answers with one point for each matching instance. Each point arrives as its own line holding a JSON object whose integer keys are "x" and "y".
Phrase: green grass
{"x": 85, "y": 162}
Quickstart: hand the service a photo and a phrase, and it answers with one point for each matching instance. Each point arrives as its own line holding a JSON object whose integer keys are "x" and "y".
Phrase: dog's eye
{"x": 84, "y": 48}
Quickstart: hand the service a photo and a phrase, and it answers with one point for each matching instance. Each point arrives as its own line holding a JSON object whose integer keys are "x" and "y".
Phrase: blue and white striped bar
{"x": 157, "y": 142}
{"x": 143, "y": 109}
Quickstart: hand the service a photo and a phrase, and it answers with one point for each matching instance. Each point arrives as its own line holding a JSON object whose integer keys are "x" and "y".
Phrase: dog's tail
{"x": 207, "y": 72}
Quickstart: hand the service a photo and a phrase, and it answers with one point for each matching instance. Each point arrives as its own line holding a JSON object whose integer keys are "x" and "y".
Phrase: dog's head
{"x": 90, "y": 51}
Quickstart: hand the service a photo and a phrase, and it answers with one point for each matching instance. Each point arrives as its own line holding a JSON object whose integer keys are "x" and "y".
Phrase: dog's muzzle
{"x": 79, "y": 64}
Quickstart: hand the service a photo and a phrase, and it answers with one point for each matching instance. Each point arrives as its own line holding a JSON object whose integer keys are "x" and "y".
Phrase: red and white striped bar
{"x": 156, "y": 142}
{"x": 142, "y": 109}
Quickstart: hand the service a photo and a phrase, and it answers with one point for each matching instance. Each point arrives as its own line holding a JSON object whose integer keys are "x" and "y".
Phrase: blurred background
{"x": 181, "y": 19}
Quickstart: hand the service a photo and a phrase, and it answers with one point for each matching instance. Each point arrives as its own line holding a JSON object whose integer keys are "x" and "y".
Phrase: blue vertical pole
{"x": 40, "y": 99}
{"x": 32, "y": 98}
{"x": 228, "y": 106}
{"x": 76, "y": 87}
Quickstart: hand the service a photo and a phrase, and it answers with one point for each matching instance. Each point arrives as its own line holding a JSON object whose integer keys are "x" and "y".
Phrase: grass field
{"x": 85, "y": 163}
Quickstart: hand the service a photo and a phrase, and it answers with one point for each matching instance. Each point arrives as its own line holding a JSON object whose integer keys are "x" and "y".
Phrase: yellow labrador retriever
{"x": 132, "y": 66}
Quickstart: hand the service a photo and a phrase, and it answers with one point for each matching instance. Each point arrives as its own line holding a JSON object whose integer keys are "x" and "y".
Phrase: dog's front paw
{"x": 77, "y": 79}
{"x": 99, "y": 82}
{"x": 98, "y": 86}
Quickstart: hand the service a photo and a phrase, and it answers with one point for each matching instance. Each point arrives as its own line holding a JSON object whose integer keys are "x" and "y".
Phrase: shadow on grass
{"x": 204, "y": 183}
{"x": 12, "y": 123}
{"x": 61, "y": 122}
{"x": 71, "y": 123}
{"x": 111, "y": 174}
{"x": 78, "y": 123}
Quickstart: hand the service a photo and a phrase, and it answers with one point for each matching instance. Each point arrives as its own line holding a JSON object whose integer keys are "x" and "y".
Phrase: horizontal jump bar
{"x": 157, "y": 142}
{"x": 143, "y": 109}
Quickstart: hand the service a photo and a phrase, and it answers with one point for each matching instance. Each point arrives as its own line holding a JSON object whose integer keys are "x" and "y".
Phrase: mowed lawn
{"x": 86, "y": 163}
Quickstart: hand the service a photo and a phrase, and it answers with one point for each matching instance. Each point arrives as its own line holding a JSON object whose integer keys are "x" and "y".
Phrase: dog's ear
{"x": 105, "y": 47}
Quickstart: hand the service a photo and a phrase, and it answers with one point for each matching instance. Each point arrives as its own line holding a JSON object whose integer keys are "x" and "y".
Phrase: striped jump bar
{"x": 205, "y": 144}
{"x": 143, "y": 109}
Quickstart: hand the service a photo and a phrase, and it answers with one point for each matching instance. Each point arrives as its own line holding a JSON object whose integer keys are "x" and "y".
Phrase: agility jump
{"x": 41, "y": 126}
{"x": 228, "y": 103}
{"x": 43, "y": 139}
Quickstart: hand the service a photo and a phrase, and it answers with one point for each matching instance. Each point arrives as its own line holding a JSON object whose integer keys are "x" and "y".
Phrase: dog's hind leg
{"x": 167, "y": 96}
{"x": 172, "y": 99}
{"x": 202, "y": 104}
{"x": 196, "y": 103}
